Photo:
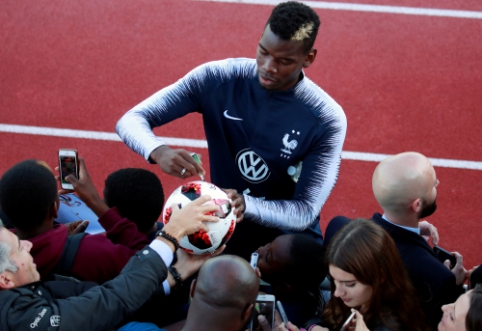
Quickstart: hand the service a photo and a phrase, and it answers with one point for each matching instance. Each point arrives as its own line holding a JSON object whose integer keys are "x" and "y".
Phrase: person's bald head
{"x": 227, "y": 281}
{"x": 401, "y": 180}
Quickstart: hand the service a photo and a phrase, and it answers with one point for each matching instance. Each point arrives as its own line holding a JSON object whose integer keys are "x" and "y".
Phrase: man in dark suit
{"x": 405, "y": 186}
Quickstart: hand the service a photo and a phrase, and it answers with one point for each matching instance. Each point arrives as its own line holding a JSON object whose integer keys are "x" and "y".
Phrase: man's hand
{"x": 85, "y": 190}
{"x": 278, "y": 324}
{"x": 188, "y": 264}
{"x": 191, "y": 217}
{"x": 427, "y": 230}
{"x": 238, "y": 203}
{"x": 469, "y": 273}
{"x": 459, "y": 270}
{"x": 76, "y": 227}
{"x": 174, "y": 161}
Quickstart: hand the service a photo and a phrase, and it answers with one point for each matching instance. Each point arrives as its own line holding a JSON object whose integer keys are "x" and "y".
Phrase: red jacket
{"x": 99, "y": 257}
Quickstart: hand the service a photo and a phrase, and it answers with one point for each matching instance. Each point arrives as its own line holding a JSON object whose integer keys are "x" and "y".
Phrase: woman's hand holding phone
{"x": 359, "y": 322}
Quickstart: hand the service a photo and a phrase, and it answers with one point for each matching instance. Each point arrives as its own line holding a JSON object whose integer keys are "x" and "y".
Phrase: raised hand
{"x": 176, "y": 162}
{"x": 191, "y": 217}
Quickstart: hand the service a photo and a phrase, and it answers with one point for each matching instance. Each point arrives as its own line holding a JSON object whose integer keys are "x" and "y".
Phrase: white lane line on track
{"x": 368, "y": 8}
{"x": 198, "y": 143}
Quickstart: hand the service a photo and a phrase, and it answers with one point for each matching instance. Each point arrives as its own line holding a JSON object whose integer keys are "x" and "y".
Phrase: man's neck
{"x": 403, "y": 220}
{"x": 208, "y": 320}
{"x": 24, "y": 235}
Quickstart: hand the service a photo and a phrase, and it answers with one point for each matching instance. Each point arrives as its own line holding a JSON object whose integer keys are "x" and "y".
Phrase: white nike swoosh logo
{"x": 230, "y": 117}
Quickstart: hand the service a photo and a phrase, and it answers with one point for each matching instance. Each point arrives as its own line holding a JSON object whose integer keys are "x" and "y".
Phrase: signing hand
{"x": 174, "y": 161}
{"x": 238, "y": 203}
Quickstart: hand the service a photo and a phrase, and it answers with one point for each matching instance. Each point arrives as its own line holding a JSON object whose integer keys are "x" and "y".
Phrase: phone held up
{"x": 443, "y": 255}
{"x": 346, "y": 325}
{"x": 68, "y": 165}
{"x": 265, "y": 305}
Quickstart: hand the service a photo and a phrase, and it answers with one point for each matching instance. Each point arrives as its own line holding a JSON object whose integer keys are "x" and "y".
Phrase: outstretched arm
{"x": 317, "y": 179}
{"x": 170, "y": 103}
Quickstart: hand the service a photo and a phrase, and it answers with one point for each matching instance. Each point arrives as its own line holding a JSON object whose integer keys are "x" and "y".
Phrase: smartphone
{"x": 68, "y": 165}
{"x": 254, "y": 260}
{"x": 264, "y": 306}
{"x": 282, "y": 312}
{"x": 443, "y": 255}
{"x": 346, "y": 325}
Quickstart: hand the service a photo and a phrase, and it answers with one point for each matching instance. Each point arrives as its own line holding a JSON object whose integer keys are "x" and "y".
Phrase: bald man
{"x": 223, "y": 295}
{"x": 405, "y": 186}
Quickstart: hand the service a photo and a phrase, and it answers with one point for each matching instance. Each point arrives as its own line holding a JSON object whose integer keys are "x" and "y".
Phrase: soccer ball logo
{"x": 219, "y": 233}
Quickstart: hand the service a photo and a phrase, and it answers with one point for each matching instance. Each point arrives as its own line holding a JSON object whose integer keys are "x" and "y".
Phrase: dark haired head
{"x": 367, "y": 251}
{"x": 293, "y": 259}
{"x": 295, "y": 21}
{"x": 473, "y": 321}
{"x": 27, "y": 192}
{"x": 137, "y": 194}
{"x": 307, "y": 269}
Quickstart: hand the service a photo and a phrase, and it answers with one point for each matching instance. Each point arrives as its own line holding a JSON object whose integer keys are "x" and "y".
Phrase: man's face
{"x": 280, "y": 61}
{"x": 274, "y": 257}
{"x": 430, "y": 201}
{"x": 20, "y": 255}
{"x": 428, "y": 209}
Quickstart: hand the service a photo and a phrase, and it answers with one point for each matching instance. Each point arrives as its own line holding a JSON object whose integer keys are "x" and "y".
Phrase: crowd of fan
{"x": 382, "y": 268}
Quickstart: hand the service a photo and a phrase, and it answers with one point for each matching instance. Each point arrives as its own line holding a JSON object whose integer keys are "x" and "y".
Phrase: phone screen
{"x": 265, "y": 308}
{"x": 68, "y": 167}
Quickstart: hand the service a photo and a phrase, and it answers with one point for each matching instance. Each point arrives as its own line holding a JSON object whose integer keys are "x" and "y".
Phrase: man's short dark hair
{"x": 294, "y": 20}
{"x": 27, "y": 192}
{"x": 137, "y": 194}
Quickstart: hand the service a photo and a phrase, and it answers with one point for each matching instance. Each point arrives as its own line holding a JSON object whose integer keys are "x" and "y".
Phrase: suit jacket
{"x": 434, "y": 283}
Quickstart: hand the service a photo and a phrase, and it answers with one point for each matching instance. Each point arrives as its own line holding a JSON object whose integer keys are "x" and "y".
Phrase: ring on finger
{"x": 183, "y": 171}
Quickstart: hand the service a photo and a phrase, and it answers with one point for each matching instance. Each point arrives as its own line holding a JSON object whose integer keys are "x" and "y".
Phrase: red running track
{"x": 405, "y": 82}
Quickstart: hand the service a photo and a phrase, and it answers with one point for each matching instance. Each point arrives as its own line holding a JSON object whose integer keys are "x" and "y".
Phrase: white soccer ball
{"x": 219, "y": 233}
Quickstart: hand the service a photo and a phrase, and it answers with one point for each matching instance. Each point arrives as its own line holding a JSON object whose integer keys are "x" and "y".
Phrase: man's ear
{"x": 310, "y": 57}
{"x": 246, "y": 314}
{"x": 6, "y": 280}
{"x": 417, "y": 205}
{"x": 193, "y": 288}
{"x": 54, "y": 209}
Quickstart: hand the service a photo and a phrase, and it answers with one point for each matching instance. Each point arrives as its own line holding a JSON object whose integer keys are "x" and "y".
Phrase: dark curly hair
{"x": 137, "y": 194}
{"x": 294, "y": 20}
{"x": 27, "y": 192}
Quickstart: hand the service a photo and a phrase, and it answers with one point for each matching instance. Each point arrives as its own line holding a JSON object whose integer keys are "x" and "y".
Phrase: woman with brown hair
{"x": 367, "y": 275}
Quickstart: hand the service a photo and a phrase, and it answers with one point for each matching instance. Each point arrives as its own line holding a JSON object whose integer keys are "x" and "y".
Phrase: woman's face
{"x": 454, "y": 315}
{"x": 349, "y": 289}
